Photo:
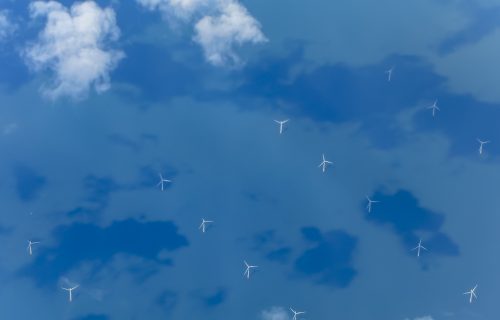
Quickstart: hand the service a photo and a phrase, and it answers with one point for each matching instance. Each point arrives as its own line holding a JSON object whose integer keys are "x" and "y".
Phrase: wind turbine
{"x": 324, "y": 163}
{"x": 247, "y": 270}
{"x": 389, "y": 73}
{"x": 30, "y": 246}
{"x": 481, "y": 143}
{"x": 70, "y": 290}
{"x": 369, "y": 205}
{"x": 434, "y": 108}
{"x": 472, "y": 293}
{"x": 296, "y": 313}
{"x": 281, "y": 123}
{"x": 420, "y": 246}
{"x": 203, "y": 224}
{"x": 162, "y": 182}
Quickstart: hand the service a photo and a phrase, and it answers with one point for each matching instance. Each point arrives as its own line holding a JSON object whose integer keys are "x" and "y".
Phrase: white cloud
{"x": 275, "y": 313}
{"x": 422, "y": 318}
{"x": 6, "y": 26}
{"x": 220, "y": 25}
{"x": 219, "y": 34}
{"x": 180, "y": 9}
{"x": 74, "y": 45}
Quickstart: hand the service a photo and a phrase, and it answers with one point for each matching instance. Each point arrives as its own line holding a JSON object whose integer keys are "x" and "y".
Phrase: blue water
{"x": 79, "y": 172}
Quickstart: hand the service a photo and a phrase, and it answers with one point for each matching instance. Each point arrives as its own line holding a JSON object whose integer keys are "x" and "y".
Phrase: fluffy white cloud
{"x": 219, "y": 34}
{"x": 6, "y": 26}
{"x": 75, "y": 46}
{"x": 275, "y": 313}
{"x": 220, "y": 25}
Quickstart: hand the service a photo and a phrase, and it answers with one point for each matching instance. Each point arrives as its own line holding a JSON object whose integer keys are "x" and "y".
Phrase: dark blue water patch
{"x": 5, "y": 230}
{"x": 442, "y": 244}
{"x": 462, "y": 119}
{"x": 161, "y": 78}
{"x": 132, "y": 18}
{"x": 215, "y": 299}
{"x": 339, "y": 93}
{"x": 312, "y": 234}
{"x": 28, "y": 182}
{"x": 14, "y": 72}
{"x": 329, "y": 261}
{"x": 81, "y": 242}
{"x": 403, "y": 213}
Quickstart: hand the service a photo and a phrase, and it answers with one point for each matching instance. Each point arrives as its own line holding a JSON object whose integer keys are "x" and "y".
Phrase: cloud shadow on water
{"x": 273, "y": 248}
{"x": 329, "y": 260}
{"x": 28, "y": 183}
{"x": 411, "y": 222}
{"x": 81, "y": 242}
{"x": 338, "y": 93}
{"x": 215, "y": 298}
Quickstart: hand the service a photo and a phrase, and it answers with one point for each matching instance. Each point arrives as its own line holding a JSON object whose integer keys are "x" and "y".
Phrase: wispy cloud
{"x": 179, "y": 9}
{"x": 219, "y": 25}
{"x": 422, "y": 318}
{"x": 6, "y": 25}
{"x": 274, "y": 313}
{"x": 10, "y": 128}
{"x": 75, "y": 46}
